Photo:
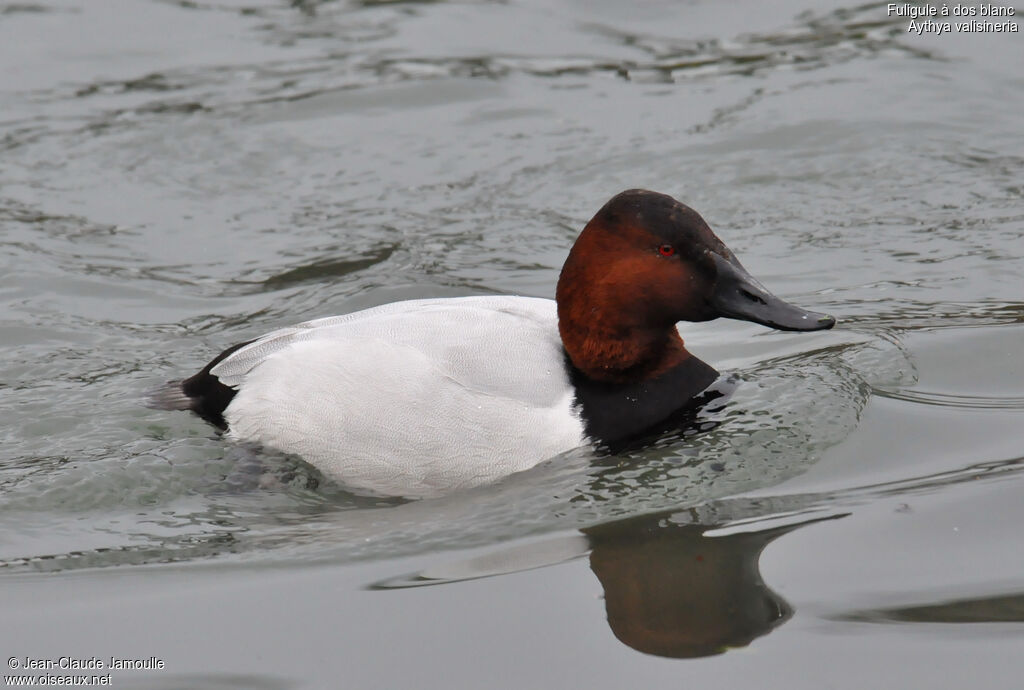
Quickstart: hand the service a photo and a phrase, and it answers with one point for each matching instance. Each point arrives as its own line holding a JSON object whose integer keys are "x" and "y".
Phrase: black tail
{"x": 203, "y": 393}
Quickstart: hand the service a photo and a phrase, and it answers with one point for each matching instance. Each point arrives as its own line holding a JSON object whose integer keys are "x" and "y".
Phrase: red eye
{"x": 666, "y": 250}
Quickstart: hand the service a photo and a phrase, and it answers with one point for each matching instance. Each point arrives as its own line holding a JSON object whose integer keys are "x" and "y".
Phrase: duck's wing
{"x": 488, "y": 344}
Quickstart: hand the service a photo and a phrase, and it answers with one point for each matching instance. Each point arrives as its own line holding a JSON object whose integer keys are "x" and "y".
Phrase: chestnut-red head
{"x": 642, "y": 264}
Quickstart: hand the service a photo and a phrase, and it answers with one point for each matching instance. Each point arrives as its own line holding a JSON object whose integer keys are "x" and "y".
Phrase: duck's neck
{"x": 608, "y": 338}
{"x": 615, "y": 410}
{"x": 619, "y": 353}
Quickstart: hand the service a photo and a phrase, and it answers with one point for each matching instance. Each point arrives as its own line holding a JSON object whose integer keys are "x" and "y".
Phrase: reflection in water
{"x": 321, "y": 269}
{"x": 1006, "y": 608}
{"x": 670, "y": 589}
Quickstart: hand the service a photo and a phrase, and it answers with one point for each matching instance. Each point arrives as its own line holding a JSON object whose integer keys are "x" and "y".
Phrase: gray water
{"x": 177, "y": 177}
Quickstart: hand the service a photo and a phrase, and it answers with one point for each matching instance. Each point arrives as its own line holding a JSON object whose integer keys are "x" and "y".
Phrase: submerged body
{"x": 426, "y": 396}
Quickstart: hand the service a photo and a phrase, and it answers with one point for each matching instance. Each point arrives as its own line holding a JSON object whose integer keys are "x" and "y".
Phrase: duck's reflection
{"x": 672, "y": 588}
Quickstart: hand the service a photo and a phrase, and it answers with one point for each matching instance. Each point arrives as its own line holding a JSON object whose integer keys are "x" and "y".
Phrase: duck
{"x": 422, "y": 397}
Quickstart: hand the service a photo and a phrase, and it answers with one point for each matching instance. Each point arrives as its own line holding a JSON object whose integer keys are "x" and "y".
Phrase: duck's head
{"x": 642, "y": 264}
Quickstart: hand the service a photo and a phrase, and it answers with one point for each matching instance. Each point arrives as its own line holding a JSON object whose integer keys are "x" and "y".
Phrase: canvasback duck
{"x": 422, "y": 397}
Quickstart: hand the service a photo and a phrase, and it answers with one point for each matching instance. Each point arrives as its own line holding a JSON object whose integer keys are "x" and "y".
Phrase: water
{"x": 176, "y": 177}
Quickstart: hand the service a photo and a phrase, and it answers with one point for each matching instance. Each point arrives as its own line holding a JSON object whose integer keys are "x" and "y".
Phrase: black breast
{"x": 614, "y": 413}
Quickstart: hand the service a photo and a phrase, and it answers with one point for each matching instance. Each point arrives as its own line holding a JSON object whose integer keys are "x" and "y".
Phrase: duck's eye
{"x": 666, "y": 250}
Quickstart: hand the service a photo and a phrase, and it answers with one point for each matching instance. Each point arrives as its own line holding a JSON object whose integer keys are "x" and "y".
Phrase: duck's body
{"x": 420, "y": 397}
{"x": 413, "y": 397}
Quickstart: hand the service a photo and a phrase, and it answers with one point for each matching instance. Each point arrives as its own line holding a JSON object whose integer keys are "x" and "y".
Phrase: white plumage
{"x": 412, "y": 398}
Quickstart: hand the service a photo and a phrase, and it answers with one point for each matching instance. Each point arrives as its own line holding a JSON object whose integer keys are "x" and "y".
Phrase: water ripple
{"x": 961, "y": 400}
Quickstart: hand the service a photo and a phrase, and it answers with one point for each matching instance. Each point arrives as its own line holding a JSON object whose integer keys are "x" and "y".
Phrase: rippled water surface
{"x": 177, "y": 177}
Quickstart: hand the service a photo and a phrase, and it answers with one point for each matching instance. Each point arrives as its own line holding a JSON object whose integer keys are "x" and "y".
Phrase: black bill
{"x": 738, "y": 295}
